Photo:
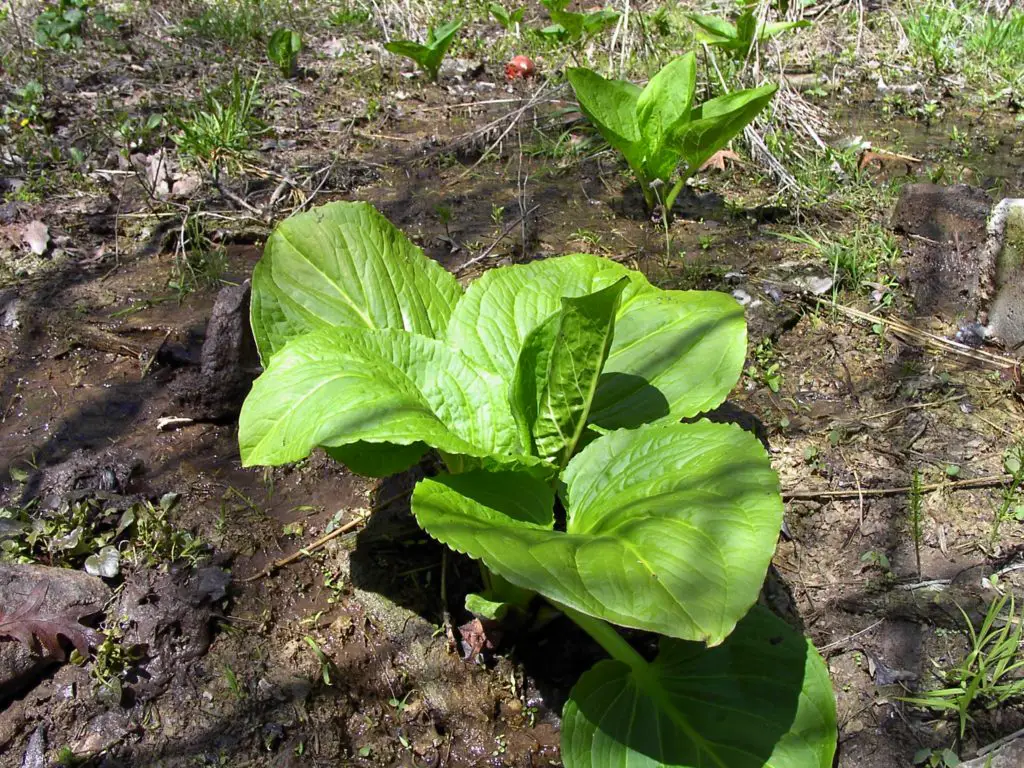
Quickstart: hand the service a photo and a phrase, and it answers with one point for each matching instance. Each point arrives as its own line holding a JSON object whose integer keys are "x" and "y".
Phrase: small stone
{"x": 35, "y": 752}
{"x": 741, "y": 296}
{"x": 186, "y": 185}
{"x": 36, "y": 236}
{"x": 1009, "y": 756}
{"x": 1006, "y": 249}
{"x": 814, "y": 284}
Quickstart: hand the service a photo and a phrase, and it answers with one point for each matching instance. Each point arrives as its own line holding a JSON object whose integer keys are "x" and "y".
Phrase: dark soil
{"x": 350, "y": 656}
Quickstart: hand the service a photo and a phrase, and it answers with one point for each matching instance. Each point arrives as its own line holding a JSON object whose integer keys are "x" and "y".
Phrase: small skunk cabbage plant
{"x": 283, "y": 50}
{"x": 553, "y": 393}
{"x": 572, "y": 26}
{"x": 659, "y": 128}
{"x": 427, "y": 56}
{"x": 737, "y": 39}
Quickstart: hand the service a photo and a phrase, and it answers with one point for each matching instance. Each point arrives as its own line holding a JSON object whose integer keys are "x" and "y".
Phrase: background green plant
{"x": 429, "y": 54}
{"x": 988, "y": 675}
{"x": 283, "y": 50}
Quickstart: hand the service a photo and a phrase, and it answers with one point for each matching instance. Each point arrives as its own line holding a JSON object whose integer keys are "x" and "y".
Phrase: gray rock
{"x": 68, "y": 593}
{"x": 35, "y": 752}
{"x": 169, "y": 616}
{"x": 1009, "y": 756}
{"x": 12, "y": 310}
{"x": 1005, "y": 252}
{"x": 941, "y": 213}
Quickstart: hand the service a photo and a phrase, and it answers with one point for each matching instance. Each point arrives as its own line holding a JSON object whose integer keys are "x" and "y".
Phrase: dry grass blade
{"x": 807, "y": 494}
{"x": 924, "y": 338}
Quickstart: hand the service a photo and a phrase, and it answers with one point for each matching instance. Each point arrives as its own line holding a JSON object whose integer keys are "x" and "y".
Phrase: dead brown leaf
{"x": 717, "y": 161}
{"x": 26, "y": 622}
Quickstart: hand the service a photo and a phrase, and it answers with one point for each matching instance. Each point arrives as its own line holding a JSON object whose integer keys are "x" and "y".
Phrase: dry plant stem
{"x": 515, "y": 115}
{"x": 1000, "y": 742}
{"x": 805, "y": 494}
{"x": 319, "y": 543}
{"x": 924, "y": 337}
{"x": 835, "y": 644}
{"x": 487, "y": 251}
{"x": 306, "y": 551}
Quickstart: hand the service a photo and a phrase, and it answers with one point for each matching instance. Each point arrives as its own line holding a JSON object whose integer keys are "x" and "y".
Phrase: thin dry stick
{"x": 492, "y": 246}
{"x": 860, "y": 492}
{"x": 807, "y": 494}
{"x": 848, "y": 638}
{"x": 929, "y": 339}
{"x": 306, "y": 551}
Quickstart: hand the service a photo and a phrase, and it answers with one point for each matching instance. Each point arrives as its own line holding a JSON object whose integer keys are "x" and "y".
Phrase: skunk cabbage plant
{"x": 737, "y": 39}
{"x": 283, "y": 50}
{"x": 429, "y": 55}
{"x": 553, "y": 393}
{"x": 659, "y": 128}
{"x": 573, "y": 26}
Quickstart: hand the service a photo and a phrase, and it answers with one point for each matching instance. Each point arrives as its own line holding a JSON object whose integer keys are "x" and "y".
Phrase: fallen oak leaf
{"x": 717, "y": 161}
{"x": 26, "y": 622}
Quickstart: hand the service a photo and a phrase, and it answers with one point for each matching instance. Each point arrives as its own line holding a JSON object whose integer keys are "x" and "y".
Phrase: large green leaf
{"x": 418, "y": 52}
{"x": 378, "y": 459}
{"x": 771, "y": 29}
{"x": 345, "y": 385}
{"x": 675, "y": 353}
{"x": 439, "y": 39}
{"x": 670, "y": 528}
{"x": 558, "y": 370}
{"x": 344, "y": 264}
{"x": 664, "y": 105}
{"x": 611, "y": 106}
{"x": 714, "y": 123}
{"x": 762, "y": 699}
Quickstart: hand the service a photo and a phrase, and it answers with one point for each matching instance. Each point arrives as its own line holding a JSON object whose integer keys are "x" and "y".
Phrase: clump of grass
{"x": 862, "y": 261}
{"x": 222, "y": 132}
{"x": 988, "y": 676}
{"x": 198, "y": 261}
{"x": 237, "y": 23}
{"x": 969, "y": 37}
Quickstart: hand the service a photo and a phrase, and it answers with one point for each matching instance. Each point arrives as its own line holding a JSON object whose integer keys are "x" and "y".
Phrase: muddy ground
{"x": 344, "y": 657}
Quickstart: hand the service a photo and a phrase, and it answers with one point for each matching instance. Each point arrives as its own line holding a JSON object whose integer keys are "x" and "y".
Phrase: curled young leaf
{"x": 558, "y": 371}
{"x": 674, "y": 354}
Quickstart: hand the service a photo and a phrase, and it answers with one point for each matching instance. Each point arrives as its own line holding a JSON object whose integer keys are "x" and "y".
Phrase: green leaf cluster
{"x": 60, "y": 24}
{"x": 283, "y": 50}
{"x": 429, "y": 55}
{"x": 572, "y": 26}
{"x": 510, "y": 20}
{"x": 737, "y": 39}
{"x": 659, "y": 128}
{"x": 555, "y": 386}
